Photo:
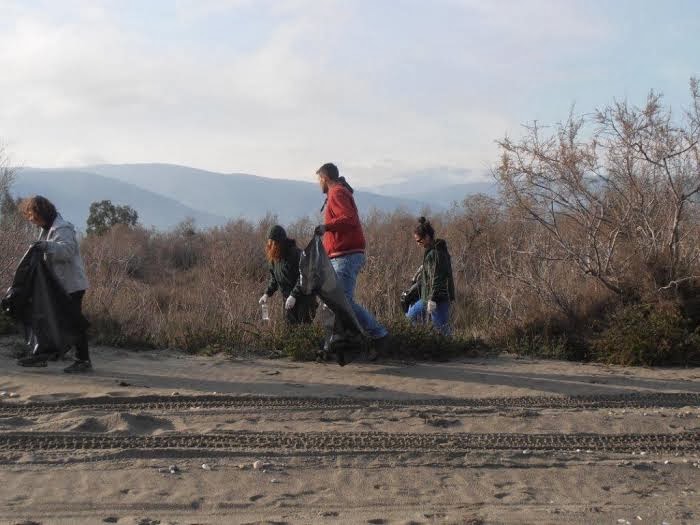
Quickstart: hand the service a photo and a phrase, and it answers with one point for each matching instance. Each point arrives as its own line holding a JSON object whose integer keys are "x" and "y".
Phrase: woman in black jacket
{"x": 283, "y": 257}
{"x": 437, "y": 289}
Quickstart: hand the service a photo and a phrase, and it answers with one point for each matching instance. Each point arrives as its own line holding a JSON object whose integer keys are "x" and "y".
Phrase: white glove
{"x": 263, "y": 299}
{"x": 432, "y": 306}
{"x": 290, "y": 302}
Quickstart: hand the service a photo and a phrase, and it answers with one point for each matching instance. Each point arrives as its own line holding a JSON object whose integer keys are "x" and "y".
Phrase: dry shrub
{"x": 649, "y": 334}
{"x": 590, "y": 252}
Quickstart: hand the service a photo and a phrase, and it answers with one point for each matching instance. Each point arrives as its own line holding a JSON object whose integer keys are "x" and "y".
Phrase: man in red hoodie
{"x": 344, "y": 241}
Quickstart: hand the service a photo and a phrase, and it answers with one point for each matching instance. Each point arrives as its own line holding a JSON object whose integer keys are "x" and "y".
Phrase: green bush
{"x": 649, "y": 335}
{"x": 546, "y": 340}
{"x": 106, "y": 331}
{"x": 423, "y": 342}
{"x": 299, "y": 342}
{"x": 539, "y": 345}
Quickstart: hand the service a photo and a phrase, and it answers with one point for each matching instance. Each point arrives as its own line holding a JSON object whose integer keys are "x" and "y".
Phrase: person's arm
{"x": 345, "y": 211}
{"x": 64, "y": 245}
{"x": 272, "y": 285}
{"x": 295, "y": 273}
{"x": 296, "y": 291}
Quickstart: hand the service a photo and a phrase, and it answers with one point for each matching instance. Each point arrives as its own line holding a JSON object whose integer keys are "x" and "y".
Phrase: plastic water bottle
{"x": 265, "y": 312}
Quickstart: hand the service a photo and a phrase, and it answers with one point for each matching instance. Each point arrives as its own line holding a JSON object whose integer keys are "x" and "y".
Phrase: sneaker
{"x": 78, "y": 367}
{"x": 32, "y": 360}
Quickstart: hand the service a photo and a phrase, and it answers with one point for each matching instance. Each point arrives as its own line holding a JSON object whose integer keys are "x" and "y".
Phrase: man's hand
{"x": 263, "y": 299}
{"x": 432, "y": 306}
{"x": 290, "y": 302}
{"x": 320, "y": 230}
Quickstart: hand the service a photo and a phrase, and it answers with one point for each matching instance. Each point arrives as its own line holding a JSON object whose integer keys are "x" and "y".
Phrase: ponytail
{"x": 424, "y": 228}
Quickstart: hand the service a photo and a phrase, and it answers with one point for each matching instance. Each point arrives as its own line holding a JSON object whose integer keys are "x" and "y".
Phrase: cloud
{"x": 314, "y": 81}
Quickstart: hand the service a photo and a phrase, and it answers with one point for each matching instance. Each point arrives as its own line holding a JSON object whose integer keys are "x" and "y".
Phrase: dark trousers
{"x": 81, "y": 342}
{"x": 303, "y": 311}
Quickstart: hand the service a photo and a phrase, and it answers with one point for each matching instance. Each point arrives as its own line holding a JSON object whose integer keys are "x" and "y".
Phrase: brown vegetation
{"x": 590, "y": 253}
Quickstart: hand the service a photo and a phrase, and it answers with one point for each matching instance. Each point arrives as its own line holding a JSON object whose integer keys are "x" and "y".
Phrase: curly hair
{"x": 38, "y": 207}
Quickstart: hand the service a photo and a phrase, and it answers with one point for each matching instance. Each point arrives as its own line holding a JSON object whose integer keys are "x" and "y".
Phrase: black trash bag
{"x": 412, "y": 293}
{"x": 42, "y": 308}
{"x": 344, "y": 335}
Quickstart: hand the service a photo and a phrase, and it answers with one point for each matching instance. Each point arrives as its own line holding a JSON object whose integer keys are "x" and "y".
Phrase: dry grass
{"x": 594, "y": 237}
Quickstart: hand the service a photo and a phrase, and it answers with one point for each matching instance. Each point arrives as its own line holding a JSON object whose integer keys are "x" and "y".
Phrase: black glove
{"x": 320, "y": 230}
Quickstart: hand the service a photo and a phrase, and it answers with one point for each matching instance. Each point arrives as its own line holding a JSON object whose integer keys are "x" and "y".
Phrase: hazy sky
{"x": 277, "y": 87}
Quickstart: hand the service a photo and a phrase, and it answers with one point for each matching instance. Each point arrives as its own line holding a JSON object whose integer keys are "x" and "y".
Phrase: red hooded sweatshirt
{"x": 343, "y": 229}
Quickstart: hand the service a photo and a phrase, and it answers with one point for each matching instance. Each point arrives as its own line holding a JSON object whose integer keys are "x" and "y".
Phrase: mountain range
{"x": 165, "y": 195}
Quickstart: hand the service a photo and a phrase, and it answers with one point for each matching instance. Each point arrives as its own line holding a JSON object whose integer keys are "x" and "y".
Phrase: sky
{"x": 386, "y": 89}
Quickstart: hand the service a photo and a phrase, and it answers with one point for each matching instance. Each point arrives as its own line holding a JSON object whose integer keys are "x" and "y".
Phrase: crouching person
{"x": 58, "y": 242}
{"x": 283, "y": 257}
{"x": 435, "y": 280}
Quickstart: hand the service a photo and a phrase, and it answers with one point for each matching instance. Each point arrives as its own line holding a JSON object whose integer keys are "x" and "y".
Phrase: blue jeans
{"x": 347, "y": 267}
{"x": 440, "y": 317}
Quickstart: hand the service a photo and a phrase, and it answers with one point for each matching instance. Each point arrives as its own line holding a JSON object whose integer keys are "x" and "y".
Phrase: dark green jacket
{"x": 436, "y": 282}
{"x": 284, "y": 274}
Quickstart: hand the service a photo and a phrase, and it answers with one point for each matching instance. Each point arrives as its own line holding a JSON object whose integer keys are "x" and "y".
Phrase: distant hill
{"x": 440, "y": 186}
{"x": 447, "y": 195}
{"x": 239, "y": 195}
{"x": 439, "y": 196}
{"x": 73, "y": 191}
{"x": 164, "y": 195}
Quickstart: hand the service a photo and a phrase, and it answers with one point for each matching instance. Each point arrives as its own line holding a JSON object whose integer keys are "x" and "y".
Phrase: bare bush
{"x": 609, "y": 201}
{"x": 595, "y": 233}
{"x": 15, "y": 233}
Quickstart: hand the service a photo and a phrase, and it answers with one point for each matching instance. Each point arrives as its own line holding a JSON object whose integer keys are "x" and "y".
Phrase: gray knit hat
{"x": 277, "y": 233}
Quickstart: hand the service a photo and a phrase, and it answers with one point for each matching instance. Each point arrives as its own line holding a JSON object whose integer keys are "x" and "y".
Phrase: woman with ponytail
{"x": 436, "y": 283}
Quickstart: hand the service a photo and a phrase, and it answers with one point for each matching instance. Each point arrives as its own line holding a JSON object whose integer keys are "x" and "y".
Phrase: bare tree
{"x": 15, "y": 232}
{"x": 614, "y": 199}
{"x": 7, "y": 173}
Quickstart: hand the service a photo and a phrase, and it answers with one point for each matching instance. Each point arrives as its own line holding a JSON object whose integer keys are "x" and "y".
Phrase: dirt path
{"x": 480, "y": 441}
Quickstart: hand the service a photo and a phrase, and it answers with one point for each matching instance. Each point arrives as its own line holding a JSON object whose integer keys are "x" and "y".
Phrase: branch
{"x": 677, "y": 282}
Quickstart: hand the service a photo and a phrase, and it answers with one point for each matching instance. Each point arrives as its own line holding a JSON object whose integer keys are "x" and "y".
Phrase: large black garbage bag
{"x": 411, "y": 294}
{"x": 317, "y": 276}
{"x": 42, "y": 308}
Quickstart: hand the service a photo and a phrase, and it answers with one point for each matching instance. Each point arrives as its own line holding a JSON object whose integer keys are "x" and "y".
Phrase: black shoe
{"x": 32, "y": 360}
{"x": 78, "y": 367}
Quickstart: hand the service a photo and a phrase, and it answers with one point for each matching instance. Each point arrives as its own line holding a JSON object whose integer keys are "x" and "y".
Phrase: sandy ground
{"x": 135, "y": 485}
